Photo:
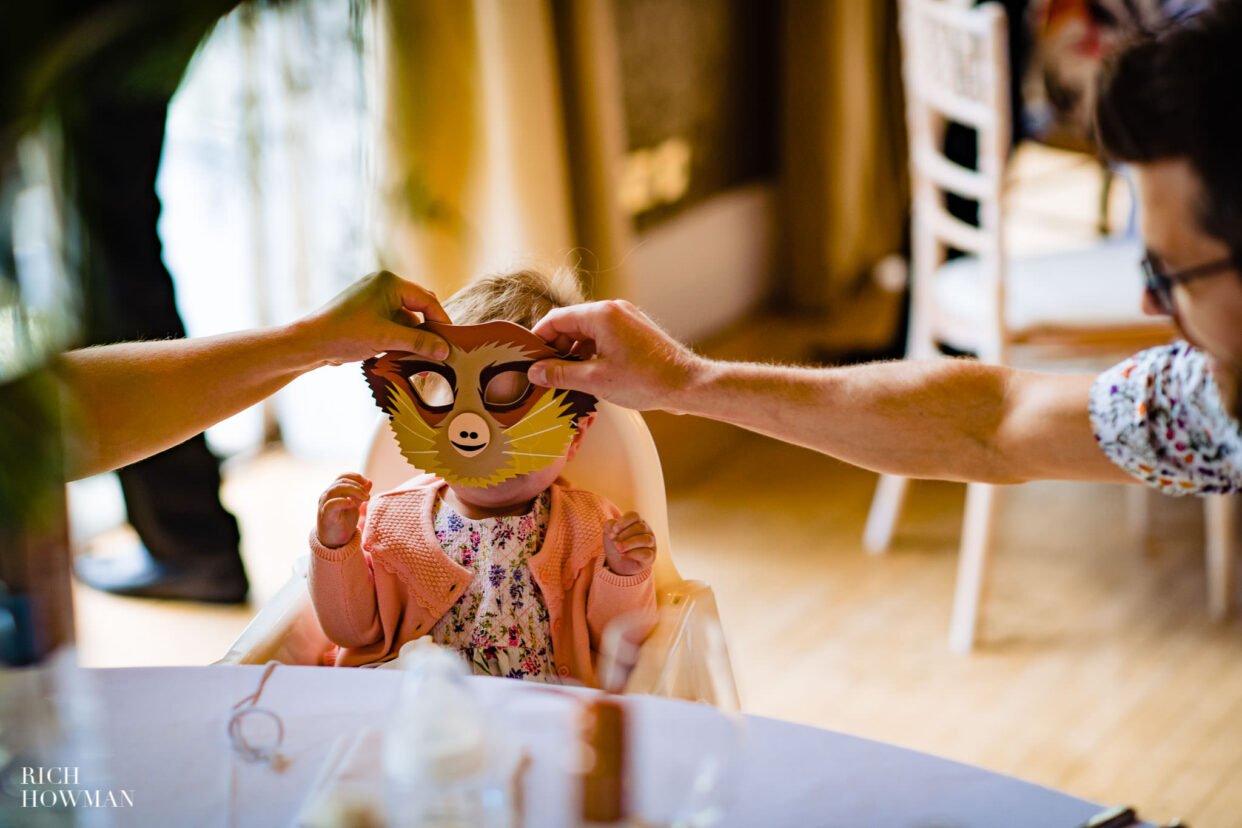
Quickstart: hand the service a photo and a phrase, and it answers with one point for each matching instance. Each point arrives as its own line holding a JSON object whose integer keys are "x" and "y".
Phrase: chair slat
{"x": 956, "y": 232}
{"x": 952, "y": 177}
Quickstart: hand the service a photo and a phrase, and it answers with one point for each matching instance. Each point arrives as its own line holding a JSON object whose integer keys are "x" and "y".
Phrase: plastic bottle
{"x": 442, "y": 761}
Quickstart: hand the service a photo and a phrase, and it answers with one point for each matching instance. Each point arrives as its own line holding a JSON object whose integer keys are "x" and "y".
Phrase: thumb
{"x": 567, "y": 374}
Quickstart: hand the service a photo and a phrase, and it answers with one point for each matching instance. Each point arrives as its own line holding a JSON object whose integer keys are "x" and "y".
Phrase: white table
{"x": 166, "y": 731}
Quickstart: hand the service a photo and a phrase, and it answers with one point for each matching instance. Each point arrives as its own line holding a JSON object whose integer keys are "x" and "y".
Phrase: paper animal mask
{"x": 475, "y": 419}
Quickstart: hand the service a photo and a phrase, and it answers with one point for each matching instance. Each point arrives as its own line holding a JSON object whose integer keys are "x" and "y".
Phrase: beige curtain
{"x": 596, "y": 142}
{"x": 843, "y": 179}
{"x": 472, "y": 165}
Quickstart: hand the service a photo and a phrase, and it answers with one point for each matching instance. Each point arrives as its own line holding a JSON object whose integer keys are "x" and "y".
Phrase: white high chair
{"x": 618, "y": 460}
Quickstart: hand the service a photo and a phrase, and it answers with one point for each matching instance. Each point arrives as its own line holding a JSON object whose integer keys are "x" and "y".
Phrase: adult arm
{"x": 948, "y": 419}
{"x": 135, "y": 399}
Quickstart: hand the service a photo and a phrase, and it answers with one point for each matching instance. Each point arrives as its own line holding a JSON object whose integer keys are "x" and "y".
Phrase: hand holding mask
{"x": 475, "y": 419}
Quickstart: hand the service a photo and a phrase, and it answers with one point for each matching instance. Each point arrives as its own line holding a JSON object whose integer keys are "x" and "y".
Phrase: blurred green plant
{"x": 31, "y": 452}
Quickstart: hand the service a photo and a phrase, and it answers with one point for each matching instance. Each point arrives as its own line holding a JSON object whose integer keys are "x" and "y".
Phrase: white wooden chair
{"x": 956, "y": 68}
{"x": 618, "y": 459}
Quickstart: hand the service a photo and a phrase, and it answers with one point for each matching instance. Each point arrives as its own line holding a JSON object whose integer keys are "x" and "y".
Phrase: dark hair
{"x": 1177, "y": 93}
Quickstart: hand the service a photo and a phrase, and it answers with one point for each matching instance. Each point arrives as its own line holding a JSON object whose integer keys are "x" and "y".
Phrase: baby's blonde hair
{"x": 522, "y": 296}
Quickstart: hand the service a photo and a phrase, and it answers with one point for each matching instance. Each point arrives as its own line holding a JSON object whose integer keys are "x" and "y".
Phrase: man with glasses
{"x": 1170, "y": 106}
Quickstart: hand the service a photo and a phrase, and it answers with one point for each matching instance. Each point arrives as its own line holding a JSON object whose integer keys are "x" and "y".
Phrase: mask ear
{"x": 382, "y": 372}
{"x": 581, "y": 405}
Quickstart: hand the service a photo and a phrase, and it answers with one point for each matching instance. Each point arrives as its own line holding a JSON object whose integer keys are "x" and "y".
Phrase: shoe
{"x": 136, "y": 574}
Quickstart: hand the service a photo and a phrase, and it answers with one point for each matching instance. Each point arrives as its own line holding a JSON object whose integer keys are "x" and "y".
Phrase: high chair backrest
{"x": 617, "y": 460}
{"x": 956, "y": 68}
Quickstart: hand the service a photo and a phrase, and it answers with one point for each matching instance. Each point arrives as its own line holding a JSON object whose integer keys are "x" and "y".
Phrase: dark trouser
{"x": 114, "y": 147}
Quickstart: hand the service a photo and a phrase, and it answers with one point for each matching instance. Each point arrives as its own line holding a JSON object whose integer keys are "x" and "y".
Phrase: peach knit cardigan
{"x": 392, "y": 582}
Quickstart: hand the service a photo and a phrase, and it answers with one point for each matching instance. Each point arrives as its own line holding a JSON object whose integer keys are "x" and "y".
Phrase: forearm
{"x": 949, "y": 419}
{"x": 612, "y": 596}
{"x": 136, "y": 399}
{"x": 944, "y": 419}
{"x": 343, "y": 592}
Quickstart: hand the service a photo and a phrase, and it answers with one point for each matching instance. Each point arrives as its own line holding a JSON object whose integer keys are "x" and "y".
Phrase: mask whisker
{"x": 552, "y": 401}
{"x": 533, "y": 434}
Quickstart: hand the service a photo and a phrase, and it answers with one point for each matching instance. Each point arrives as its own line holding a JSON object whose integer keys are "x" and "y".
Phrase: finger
{"x": 354, "y": 476}
{"x": 634, "y": 530}
{"x": 638, "y": 559}
{"x": 574, "y": 323}
{"x": 625, "y": 528}
{"x": 407, "y": 317}
{"x": 339, "y": 506}
{"x": 630, "y": 545}
{"x": 564, "y": 344}
{"x": 352, "y": 502}
{"x": 351, "y": 490}
{"x": 350, "y": 485}
{"x": 640, "y": 554}
{"x": 418, "y": 299}
{"x": 626, "y": 520}
{"x": 397, "y": 337}
{"x": 583, "y": 349}
{"x": 574, "y": 376}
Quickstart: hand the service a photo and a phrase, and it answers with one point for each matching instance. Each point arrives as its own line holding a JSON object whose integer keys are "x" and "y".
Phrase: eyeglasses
{"x": 1159, "y": 283}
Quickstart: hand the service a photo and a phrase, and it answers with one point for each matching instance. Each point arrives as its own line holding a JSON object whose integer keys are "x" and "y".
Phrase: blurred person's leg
{"x": 190, "y": 541}
{"x": 8, "y": 195}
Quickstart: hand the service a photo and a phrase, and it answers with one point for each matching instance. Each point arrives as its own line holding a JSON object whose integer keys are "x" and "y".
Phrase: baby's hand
{"x": 339, "y": 508}
{"x": 629, "y": 544}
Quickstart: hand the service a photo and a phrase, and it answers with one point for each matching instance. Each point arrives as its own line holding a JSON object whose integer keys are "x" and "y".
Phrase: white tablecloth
{"x": 165, "y": 732}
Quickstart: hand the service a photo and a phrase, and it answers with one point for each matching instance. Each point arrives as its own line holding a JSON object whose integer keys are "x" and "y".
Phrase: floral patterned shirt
{"x": 1159, "y": 416}
{"x": 500, "y": 623}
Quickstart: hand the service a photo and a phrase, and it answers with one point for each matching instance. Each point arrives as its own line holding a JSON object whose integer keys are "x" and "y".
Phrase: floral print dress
{"x": 500, "y": 624}
{"x": 1159, "y": 416}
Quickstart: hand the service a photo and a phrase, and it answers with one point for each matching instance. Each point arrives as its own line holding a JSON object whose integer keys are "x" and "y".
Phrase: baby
{"x": 520, "y": 576}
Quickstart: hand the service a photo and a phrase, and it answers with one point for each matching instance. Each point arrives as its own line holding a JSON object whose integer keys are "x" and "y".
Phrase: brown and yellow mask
{"x": 475, "y": 419}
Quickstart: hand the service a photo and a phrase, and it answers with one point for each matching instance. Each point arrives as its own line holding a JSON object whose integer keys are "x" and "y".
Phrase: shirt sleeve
{"x": 1159, "y": 416}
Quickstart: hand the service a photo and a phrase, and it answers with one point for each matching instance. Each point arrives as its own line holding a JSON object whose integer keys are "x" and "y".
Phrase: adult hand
{"x": 630, "y": 360}
{"x": 375, "y": 314}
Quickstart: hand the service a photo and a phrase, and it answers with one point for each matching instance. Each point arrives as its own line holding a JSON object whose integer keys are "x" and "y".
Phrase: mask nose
{"x": 469, "y": 434}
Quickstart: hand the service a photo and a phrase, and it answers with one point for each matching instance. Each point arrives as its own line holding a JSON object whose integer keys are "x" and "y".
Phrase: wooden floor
{"x": 1099, "y": 674}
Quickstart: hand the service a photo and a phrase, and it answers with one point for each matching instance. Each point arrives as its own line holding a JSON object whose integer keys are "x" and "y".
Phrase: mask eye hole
{"x": 433, "y": 390}
{"x": 507, "y": 388}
